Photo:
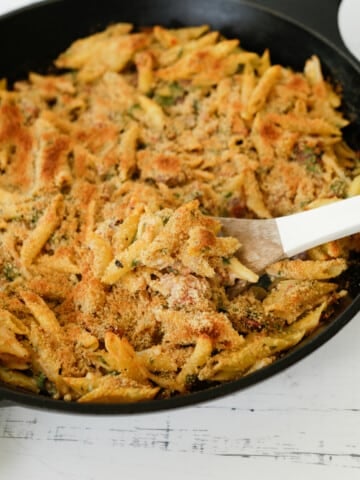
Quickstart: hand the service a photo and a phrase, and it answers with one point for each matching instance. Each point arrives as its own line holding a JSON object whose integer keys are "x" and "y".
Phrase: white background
{"x": 302, "y": 423}
{"x": 349, "y": 17}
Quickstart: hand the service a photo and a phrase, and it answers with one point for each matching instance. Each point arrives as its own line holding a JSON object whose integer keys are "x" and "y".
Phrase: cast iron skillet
{"x": 32, "y": 37}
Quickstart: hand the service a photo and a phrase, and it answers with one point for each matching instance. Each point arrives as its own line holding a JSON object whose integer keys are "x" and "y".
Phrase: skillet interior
{"x": 34, "y": 36}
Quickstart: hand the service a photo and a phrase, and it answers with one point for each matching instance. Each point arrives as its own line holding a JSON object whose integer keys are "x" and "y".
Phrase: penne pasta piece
{"x": 198, "y": 358}
{"x": 17, "y": 379}
{"x": 241, "y": 271}
{"x": 42, "y": 313}
{"x": 260, "y": 93}
{"x": 123, "y": 358}
{"x": 109, "y": 393}
{"x": 42, "y": 232}
{"x": 102, "y": 253}
{"x": 230, "y": 365}
{"x": 9, "y": 344}
{"x": 154, "y": 116}
{"x": 127, "y": 152}
{"x": 144, "y": 64}
{"x": 59, "y": 263}
{"x": 313, "y": 71}
{"x": 354, "y": 187}
{"x": 308, "y": 269}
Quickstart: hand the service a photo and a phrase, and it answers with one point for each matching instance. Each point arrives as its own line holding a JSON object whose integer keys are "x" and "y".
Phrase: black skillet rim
{"x": 16, "y": 397}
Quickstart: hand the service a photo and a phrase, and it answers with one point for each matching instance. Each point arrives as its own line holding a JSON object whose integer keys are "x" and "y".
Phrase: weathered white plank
{"x": 306, "y": 417}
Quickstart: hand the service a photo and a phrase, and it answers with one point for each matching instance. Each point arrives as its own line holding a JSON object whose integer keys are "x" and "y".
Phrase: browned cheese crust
{"x": 115, "y": 283}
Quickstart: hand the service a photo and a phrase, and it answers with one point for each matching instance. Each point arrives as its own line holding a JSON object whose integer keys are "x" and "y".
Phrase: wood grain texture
{"x": 306, "y": 418}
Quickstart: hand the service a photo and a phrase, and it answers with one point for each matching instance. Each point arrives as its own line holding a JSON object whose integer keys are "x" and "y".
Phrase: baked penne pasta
{"x": 117, "y": 285}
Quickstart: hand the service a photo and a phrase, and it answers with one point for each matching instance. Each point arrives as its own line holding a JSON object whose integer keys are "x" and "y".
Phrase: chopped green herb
{"x": 102, "y": 360}
{"x": 312, "y": 166}
{"x": 226, "y": 260}
{"x": 173, "y": 270}
{"x": 36, "y": 214}
{"x": 180, "y": 52}
{"x": 338, "y": 187}
{"x": 165, "y": 100}
{"x": 40, "y": 381}
{"x": 18, "y": 218}
{"x": 196, "y": 106}
{"x": 107, "y": 176}
{"x": 190, "y": 380}
{"x": 252, "y": 314}
{"x": 135, "y": 263}
{"x": 10, "y": 272}
{"x": 133, "y": 109}
{"x": 311, "y": 160}
{"x": 176, "y": 89}
{"x": 175, "y": 93}
{"x": 204, "y": 210}
{"x": 195, "y": 195}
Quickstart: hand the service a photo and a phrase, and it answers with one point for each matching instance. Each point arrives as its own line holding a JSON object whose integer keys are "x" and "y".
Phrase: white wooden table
{"x": 302, "y": 423}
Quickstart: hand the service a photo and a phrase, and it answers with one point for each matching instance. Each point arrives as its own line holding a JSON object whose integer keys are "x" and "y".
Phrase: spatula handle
{"x": 305, "y": 230}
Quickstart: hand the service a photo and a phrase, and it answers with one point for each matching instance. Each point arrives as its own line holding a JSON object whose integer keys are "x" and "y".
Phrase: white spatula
{"x": 267, "y": 241}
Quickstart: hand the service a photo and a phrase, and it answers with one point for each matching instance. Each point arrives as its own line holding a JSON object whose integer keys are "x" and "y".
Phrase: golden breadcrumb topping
{"x": 116, "y": 284}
